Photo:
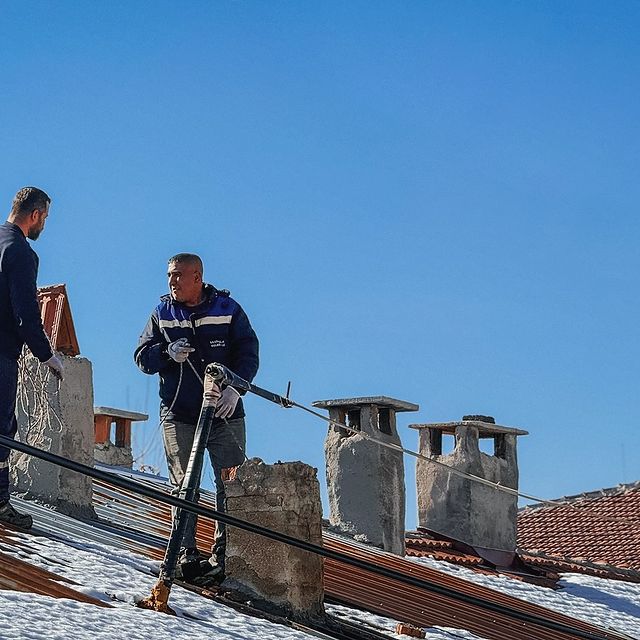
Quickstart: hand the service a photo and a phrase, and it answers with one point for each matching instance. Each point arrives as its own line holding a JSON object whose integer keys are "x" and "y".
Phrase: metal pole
{"x": 189, "y": 492}
{"x": 224, "y": 376}
{"x": 158, "y": 600}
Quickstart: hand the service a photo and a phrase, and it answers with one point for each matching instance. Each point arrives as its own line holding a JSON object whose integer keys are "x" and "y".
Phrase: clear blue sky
{"x": 435, "y": 201}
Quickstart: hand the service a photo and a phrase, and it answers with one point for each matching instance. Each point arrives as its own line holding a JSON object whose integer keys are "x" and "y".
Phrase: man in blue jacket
{"x": 194, "y": 325}
{"x": 20, "y": 321}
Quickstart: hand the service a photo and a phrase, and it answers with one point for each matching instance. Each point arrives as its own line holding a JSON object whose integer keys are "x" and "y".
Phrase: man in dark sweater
{"x": 20, "y": 321}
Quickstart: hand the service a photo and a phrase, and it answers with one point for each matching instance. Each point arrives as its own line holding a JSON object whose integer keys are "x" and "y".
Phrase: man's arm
{"x": 23, "y": 294}
{"x": 151, "y": 354}
{"x": 244, "y": 346}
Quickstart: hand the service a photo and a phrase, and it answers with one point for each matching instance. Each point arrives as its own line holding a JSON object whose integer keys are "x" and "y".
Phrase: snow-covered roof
{"x": 115, "y": 565}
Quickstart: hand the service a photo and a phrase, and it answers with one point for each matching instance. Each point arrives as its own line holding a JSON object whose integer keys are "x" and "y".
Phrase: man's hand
{"x": 227, "y": 402}
{"x": 55, "y": 365}
{"x": 180, "y": 350}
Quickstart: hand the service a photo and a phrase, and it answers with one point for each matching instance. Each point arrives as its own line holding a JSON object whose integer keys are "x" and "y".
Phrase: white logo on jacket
{"x": 217, "y": 344}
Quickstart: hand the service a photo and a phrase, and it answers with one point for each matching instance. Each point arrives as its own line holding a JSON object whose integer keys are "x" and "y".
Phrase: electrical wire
{"x": 224, "y": 376}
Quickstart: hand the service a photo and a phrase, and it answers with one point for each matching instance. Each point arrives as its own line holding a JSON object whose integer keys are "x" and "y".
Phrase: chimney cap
{"x": 485, "y": 429}
{"x": 381, "y": 401}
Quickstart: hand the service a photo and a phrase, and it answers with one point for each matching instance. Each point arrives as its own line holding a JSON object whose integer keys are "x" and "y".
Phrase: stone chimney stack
{"x": 365, "y": 481}
{"x": 461, "y": 508}
{"x": 284, "y": 497}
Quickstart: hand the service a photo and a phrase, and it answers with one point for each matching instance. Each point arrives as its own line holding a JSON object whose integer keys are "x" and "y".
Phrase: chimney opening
{"x": 384, "y": 420}
{"x": 354, "y": 419}
{"x": 448, "y": 443}
{"x": 500, "y": 446}
{"x": 487, "y": 445}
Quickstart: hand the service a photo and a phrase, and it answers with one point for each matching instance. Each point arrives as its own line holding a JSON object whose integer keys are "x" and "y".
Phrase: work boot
{"x": 8, "y": 515}
{"x": 211, "y": 573}
{"x": 188, "y": 566}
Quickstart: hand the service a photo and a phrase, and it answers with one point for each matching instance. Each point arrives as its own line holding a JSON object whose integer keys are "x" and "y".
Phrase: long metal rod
{"x": 173, "y": 501}
{"x": 188, "y": 492}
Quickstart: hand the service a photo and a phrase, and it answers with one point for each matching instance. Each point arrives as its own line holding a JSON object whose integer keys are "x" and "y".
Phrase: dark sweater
{"x": 20, "y": 320}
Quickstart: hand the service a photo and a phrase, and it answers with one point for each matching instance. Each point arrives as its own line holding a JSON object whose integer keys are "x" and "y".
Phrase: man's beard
{"x": 34, "y": 233}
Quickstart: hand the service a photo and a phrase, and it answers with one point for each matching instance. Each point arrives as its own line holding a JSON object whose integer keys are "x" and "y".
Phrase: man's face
{"x": 38, "y": 219}
{"x": 185, "y": 282}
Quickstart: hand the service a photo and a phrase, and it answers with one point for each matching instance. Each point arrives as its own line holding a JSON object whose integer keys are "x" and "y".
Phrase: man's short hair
{"x": 188, "y": 258}
{"x": 28, "y": 199}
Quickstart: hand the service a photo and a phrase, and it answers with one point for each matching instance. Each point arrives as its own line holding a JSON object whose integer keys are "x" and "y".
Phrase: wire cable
{"x": 225, "y": 376}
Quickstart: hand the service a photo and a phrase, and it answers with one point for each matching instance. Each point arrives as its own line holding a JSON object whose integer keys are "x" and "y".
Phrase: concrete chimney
{"x": 461, "y": 508}
{"x": 58, "y": 419}
{"x": 279, "y": 578}
{"x": 365, "y": 481}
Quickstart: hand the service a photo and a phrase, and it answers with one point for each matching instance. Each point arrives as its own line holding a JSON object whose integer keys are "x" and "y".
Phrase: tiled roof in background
{"x": 57, "y": 319}
{"x": 535, "y": 567}
{"x": 600, "y": 529}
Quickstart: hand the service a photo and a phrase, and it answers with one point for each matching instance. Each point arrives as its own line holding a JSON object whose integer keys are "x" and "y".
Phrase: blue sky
{"x": 435, "y": 201}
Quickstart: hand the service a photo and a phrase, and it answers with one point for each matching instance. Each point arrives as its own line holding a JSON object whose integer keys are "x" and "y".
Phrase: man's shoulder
{"x": 219, "y": 298}
{"x": 11, "y": 235}
{"x": 14, "y": 245}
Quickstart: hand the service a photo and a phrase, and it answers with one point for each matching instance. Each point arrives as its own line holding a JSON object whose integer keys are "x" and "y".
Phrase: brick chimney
{"x": 461, "y": 508}
{"x": 116, "y": 450}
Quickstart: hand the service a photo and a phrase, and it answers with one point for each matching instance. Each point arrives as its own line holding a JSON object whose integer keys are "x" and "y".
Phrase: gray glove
{"x": 227, "y": 402}
{"x": 180, "y": 350}
{"x": 55, "y": 365}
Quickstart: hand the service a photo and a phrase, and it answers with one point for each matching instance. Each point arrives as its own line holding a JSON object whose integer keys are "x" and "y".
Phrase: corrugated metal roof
{"x": 18, "y": 575}
{"x": 136, "y": 523}
{"x": 363, "y": 589}
{"x": 424, "y": 608}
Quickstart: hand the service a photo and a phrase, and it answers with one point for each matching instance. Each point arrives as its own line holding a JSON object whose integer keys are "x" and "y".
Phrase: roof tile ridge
{"x": 620, "y": 489}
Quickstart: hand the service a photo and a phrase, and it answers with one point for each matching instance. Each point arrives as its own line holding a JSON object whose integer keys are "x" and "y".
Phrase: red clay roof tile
{"x": 602, "y": 527}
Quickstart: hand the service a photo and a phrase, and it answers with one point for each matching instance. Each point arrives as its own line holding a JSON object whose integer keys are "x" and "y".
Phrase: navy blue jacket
{"x": 219, "y": 331}
{"x": 20, "y": 320}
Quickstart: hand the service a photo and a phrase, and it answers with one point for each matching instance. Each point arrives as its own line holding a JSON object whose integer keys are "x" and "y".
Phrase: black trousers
{"x": 8, "y": 422}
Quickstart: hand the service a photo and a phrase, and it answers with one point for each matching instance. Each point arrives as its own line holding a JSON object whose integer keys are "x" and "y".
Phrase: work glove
{"x": 227, "y": 402}
{"x": 55, "y": 365}
{"x": 180, "y": 350}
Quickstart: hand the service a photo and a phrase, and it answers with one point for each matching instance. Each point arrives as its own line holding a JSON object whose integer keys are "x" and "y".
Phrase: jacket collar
{"x": 15, "y": 228}
{"x": 209, "y": 291}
